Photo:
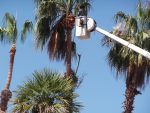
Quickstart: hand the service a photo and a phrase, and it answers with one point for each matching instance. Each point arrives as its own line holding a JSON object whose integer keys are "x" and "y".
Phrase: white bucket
{"x": 81, "y": 27}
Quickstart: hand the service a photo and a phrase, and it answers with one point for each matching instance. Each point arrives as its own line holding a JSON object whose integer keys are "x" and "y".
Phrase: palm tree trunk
{"x": 6, "y": 93}
{"x": 69, "y": 22}
{"x": 11, "y": 63}
{"x": 69, "y": 25}
{"x": 68, "y": 65}
{"x": 130, "y": 94}
{"x": 69, "y": 46}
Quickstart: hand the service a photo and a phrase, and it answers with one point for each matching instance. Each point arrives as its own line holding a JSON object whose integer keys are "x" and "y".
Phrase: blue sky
{"x": 100, "y": 91}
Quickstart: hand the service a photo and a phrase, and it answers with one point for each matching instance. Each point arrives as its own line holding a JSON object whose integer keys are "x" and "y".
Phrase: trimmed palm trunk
{"x": 70, "y": 19}
{"x": 130, "y": 96}
{"x": 6, "y": 93}
{"x": 69, "y": 46}
{"x": 12, "y": 56}
{"x": 131, "y": 92}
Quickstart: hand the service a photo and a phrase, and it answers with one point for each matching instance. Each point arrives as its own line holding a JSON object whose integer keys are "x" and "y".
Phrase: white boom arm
{"x": 125, "y": 43}
{"x": 88, "y": 25}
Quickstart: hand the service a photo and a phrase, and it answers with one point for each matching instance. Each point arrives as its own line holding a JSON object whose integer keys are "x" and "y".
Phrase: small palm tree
{"x": 46, "y": 92}
{"x": 54, "y": 24}
{"x": 134, "y": 67}
{"x": 9, "y": 34}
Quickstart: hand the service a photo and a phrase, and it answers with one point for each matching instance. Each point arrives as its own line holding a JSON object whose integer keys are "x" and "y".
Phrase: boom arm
{"x": 125, "y": 43}
{"x": 88, "y": 25}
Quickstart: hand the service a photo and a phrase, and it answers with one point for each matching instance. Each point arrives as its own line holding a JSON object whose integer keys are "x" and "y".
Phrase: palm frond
{"x": 68, "y": 6}
{"x": 82, "y": 6}
{"x": 47, "y": 8}
{"x": 11, "y": 27}
{"x": 132, "y": 25}
{"x": 42, "y": 31}
{"x": 139, "y": 10}
{"x": 47, "y": 17}
{"x": 2, "y": 33}
{"x": 120, "y": 16}
{"x": 27, "y": 27}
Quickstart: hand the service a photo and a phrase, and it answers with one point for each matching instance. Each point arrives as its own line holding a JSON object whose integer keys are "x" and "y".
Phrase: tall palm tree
{"x": 10, "y": 33}
{"x": 55, "y": 21}
{"x": 134, "y": 67}
{"x": 46, "y": 92}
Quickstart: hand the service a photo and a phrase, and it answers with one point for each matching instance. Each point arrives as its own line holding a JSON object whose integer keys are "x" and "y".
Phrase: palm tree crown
{"x": 10, "y": 26}
{"x": 124, "y": 60}
{"x": 134, "y": 67}
{"x": 46, "y": 92}
{"x": 53, "y": 18}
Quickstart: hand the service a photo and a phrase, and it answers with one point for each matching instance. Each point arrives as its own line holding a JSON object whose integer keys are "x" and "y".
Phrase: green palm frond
{"x": 68, "y": 4}
{"x": 2, "y": 33}
{"x": 139, "y": 9}
{"x": 42, "y": 32}
{"x": 146, "y": 41}
{"x": 147, "y": 15}
{"x": 143, "y": 16}
{"x": 83, "y": 5}
{"x": 47, "y": 90}
{"x": 132, "y": 25}
{"x": 11, "y": 27}
{"x": 47, "y": 9}
{"x": 27, "y": 27}
{"x": 47, "y": 17}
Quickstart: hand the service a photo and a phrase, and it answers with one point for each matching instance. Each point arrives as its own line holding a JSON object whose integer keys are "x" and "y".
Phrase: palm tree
{"x": 134, "y": 67}
{"x": 54, "y": 24}
{"x": 9, "y": 34}
{"x": 46, "y": 92}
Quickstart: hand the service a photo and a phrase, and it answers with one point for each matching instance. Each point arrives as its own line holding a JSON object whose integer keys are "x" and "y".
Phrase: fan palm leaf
{"x": 27, "y": 27}
{"x": 46, "y": 92}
